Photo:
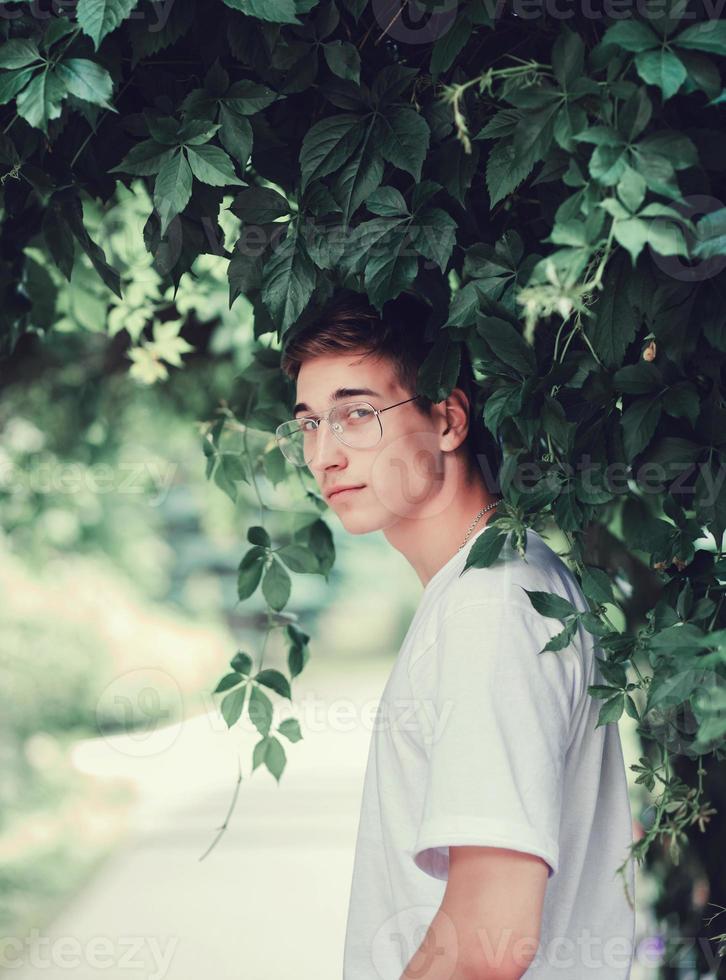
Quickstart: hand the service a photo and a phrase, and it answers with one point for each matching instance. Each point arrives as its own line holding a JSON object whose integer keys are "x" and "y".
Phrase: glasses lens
{"x": 355, "y": 424}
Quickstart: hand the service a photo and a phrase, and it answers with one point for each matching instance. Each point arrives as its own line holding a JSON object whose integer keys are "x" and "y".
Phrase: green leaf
{"x": 550, "y": 604}
{"x": 259, "y": 205}
{"x": 235, "y": 135}
{"x": 40, "y": 101}
{"x": 343, "y": 59}
{"x": 449, "y": 45}
{"x": 404, "y": 140}
{"x": 639, "y": 423}
{"x": 247, "y": 98}
{"x": 250, "y": 572}
{"x": 144, "y": 159}
{"x": 631, "y": 35}
{"x": 97, "y": 18}
{"x": 632, "y": 234}
{"x": 508, "y": 344}
{"x": 228, "y": 681}
{"x": 597, "y": 586}
{"x": 709, "y": 35}
{"x": 388, "y": 202}
{"x": 439, "y": 372}
{"x": 435, "y": 235}
{"x": 486, "y": 548}
{"x": 276, "y": 585}
{"x": 361, "y": 175}
{"x": 241, "y": 662}
{"x": 232, "y": 704}
{"x": 19, "y": 53}
{"x": 86, "y": 80}
{"x": 562, "y": 639}
{"x": 328, "y": 145}
{"x": 290, "y": 728}
{"x": 298, "y": 559}
{"x": 260, "y": 710}
{"x": 662, "y": 68}
{"x": 276, "y": 681}
{"x": 613, "y": 325}
{"x": 12, "y": 82}
{"x": 277, "y": 11}
{"x": 269, "y": 751}
{"x": 568, "y": 57}
{"x": 289, "y": 279}
{"x": 611, "y": 710}
{"x": 172, "y": 188}
{"x": 212, "y": 166}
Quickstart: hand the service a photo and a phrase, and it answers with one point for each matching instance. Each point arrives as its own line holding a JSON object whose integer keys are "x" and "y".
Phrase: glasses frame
{"x": 326, "y": 418}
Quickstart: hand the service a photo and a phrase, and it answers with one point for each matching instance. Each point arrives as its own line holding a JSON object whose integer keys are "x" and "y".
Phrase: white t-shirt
{"x": 480, "y": 739}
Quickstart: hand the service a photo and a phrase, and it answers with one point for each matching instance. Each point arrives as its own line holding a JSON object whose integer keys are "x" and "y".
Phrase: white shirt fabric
{"x": 480, "y": 739}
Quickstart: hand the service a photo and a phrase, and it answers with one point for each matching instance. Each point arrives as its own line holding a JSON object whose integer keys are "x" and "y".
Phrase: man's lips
{"x": 344, "y": 491}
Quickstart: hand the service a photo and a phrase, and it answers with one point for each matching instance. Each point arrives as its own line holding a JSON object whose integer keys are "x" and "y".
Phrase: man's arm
{"x": 488, "y": 925}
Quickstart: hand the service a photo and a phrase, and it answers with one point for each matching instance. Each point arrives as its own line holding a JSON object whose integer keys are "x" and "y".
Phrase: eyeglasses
{"x": 355, "y": 424}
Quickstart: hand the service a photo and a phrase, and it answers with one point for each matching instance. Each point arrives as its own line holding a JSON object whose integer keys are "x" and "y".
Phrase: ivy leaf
{"x": 97, "y": 18}
{"x": 212, "y": 166}
{"x": 486, "y": 549}
{"x": 709, "y": 35}
{"x": 290, "y": 728}
{"x": 343, "y": 60}
{"x": 404, "y": 140}
{"x": 19, "y": 53}
{"x": 247, "y": 98}
{"x": 260, "y": 710}
{"x": 611, "y": 710}
{"x": 229, "y": 680}
{"x": 438, "y": 373}
{"x": 550, "y": 604}
{"x": 289, "y": 279}
{"x": 241, "y": 663}
{"x": 662, "y": 68}
{"x": 12, "y": 82}
{"x": 631, "y": 35}
{"x": 172, "y": 188}
{"x": 86, "y": 80}
{"x": 270, "y": 751}
{"x": 277, "y": 11}
{"x": 276, "y": 585}
{"x": 235, "y": 135}
{"x": 144, "y": 159}
{"x": 328, "y": 145}
{"x": 276, "y": 681}
{"x": 259, "y": 205}
{"x": 250, "y": 571}
{"x": 449, "y": 45}
{"x": 361, "y": 175}
{"x": 435, "y": 235}
{"x": 40, "y": 101}
{"x": 232, "y": 704}
{"x": 639, "y": 423}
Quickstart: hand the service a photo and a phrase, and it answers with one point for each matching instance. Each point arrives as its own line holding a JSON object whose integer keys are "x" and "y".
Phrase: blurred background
{"x": 119, "y": 614}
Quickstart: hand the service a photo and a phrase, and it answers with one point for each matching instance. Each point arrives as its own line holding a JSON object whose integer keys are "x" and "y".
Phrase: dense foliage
{"x": 551, "y": 183}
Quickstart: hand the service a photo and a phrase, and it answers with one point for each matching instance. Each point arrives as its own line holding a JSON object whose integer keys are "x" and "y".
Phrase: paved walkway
{"x": 270, "y": 900}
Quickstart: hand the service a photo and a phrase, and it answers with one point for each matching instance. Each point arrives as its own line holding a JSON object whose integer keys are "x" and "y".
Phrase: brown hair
{"x": 348, "y": 322}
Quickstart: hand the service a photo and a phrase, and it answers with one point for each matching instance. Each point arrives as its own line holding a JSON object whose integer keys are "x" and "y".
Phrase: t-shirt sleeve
{"x": 497, "y": 743}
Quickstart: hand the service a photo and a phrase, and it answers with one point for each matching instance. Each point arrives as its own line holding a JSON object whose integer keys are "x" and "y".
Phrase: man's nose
{"x": 327, "y": 448}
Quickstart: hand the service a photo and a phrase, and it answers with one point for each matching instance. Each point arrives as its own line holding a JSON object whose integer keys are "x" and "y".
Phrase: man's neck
{"x": 431, "y": 537}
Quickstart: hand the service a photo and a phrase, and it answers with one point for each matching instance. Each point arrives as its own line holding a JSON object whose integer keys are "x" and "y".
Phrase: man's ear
{"x": 456, "y": 412}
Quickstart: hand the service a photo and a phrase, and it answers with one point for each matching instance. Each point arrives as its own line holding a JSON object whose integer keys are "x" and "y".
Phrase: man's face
{"x": 402, "y": 475}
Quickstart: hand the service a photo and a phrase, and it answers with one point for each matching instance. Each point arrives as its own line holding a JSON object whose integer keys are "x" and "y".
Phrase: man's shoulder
{"x": 503, "y": 583}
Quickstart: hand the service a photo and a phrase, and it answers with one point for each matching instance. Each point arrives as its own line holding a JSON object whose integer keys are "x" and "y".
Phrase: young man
{"x": 494, "y": 813}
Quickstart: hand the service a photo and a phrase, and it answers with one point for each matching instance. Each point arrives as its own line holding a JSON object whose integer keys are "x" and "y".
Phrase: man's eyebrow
{"x": 338, "y": 395}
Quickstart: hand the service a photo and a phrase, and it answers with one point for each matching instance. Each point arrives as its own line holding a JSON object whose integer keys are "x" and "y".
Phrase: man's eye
{"x": 307, "y": 425}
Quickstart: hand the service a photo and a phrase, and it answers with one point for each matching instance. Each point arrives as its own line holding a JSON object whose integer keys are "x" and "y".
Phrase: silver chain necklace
{"x": 477, "y": 518}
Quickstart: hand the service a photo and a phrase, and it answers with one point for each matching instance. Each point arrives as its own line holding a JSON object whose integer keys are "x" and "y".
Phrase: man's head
{"x": 427, "y": 450}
